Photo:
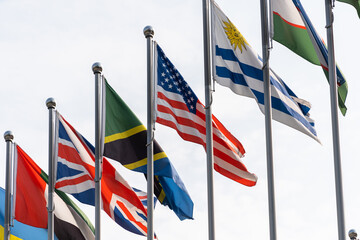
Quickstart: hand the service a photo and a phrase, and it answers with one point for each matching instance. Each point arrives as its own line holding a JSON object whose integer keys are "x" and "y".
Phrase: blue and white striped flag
{"x": 238, "y": 67}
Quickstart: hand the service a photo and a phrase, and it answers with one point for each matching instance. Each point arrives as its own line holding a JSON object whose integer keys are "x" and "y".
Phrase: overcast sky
{"x": 47, "y": 50}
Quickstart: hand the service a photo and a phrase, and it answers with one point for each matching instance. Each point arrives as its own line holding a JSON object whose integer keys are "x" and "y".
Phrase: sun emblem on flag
{"x": 236, "y": 39}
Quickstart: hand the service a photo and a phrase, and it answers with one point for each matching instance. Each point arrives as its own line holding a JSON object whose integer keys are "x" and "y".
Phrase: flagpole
{"x": 268, "y": 117}
{"x": 208, "y": 115}
{"x": 51, "y": 104}
{"x": 8, "y": 136}
{"x": 149, "y": 33}
{"x": 97, "y": 69}
{"x": 335, "y": 120}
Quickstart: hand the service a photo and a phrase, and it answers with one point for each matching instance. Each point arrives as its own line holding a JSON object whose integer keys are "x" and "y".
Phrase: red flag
{"x": 30, "y": 202}
{"x": 30, "y": 196}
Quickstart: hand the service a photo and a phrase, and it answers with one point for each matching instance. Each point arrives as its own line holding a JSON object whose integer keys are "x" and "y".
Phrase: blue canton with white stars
{"x": 171, "y": 80}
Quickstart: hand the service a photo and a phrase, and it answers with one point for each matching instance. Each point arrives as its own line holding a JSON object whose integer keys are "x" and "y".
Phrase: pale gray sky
{"x": 47, "y": 50}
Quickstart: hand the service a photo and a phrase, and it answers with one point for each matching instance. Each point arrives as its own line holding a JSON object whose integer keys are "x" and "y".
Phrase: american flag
{"x": 179, "y": 108}
{"x": 76, "y": 172}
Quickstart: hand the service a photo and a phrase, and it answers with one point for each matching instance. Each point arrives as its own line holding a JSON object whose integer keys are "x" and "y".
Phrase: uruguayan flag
{"x": 238, "y": 67}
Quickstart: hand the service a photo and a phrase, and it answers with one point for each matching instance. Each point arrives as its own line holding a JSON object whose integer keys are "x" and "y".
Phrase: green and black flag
{"x": 125, "y": 142}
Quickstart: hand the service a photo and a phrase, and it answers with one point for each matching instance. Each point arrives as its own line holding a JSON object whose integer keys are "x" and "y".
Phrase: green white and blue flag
{"x": 293, "y": 29}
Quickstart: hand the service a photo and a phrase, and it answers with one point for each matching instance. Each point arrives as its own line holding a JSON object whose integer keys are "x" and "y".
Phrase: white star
{"x": 192, "y": 99}
{"x": 166, "y": 79}
{"x": 163, "y": 74}
{"x": 170, "y": 86}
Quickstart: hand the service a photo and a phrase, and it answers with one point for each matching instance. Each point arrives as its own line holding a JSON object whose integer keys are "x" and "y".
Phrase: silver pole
{"x": 335, "y": 120}
{"x": 268, "y": 117}
{"x": 8, "y": 136}
{"x": 149, "y": 33}
{"x": 208, "y": 115}
{"x": 51, "y": 104}
{"x": 97, "y": 69}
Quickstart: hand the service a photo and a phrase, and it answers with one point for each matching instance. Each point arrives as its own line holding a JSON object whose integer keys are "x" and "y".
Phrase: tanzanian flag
{"x": 125, "y": 142}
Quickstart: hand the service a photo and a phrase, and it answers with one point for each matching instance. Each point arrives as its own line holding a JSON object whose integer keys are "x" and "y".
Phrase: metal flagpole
{"x": 51, "y": 104}
{"x": 208, "y": 114}
{"x": 268, "y": 117}
{"x": 149, "y": 33}
{"x": 335, "y": 120}
{"x": 97, "y": 69}
{"x": 8, "y": 136}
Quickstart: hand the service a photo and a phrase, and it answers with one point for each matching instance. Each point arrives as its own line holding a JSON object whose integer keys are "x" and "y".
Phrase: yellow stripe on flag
{"x": 143, "y": 162}
{"x": 125, "y": 134}
{"x": 12, "y": 237}
{"x": 161, "y": 196}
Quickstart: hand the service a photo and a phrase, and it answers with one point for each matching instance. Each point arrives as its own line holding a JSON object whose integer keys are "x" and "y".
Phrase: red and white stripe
{"x": 173, "y": 112}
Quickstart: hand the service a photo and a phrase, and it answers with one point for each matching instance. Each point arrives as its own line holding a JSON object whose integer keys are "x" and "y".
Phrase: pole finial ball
{"x": 50, "y": 103}
{"x": 97, "y": 68}
{"x": 148, "y": 31}
{"x": 8, "y": 136}
{"x": 352, "y": 234}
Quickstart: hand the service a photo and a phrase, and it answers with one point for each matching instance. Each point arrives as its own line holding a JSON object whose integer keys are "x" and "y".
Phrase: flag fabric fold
{"x": 354, "y": 3}
{"x": 293, "y": 29}
{"x": 143, "y": 197}
{"x": 30, "y": 195}
{"x": 125, "y": 142}
{"x": 76, "y": 172}
{"x": 238, "y": 67}
{"x": 178, "y": 107}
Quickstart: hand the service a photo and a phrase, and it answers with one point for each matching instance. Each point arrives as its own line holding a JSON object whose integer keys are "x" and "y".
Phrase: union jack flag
{"x": 76, "y": 173}
{"x": 143, "y": 197}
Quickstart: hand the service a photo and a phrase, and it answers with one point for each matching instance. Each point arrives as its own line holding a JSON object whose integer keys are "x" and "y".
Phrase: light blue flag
{"x": 20, "y": 230}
